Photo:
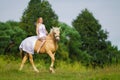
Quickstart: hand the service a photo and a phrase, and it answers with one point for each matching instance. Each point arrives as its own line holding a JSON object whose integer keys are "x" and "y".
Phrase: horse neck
{"x": 51, "y": 36}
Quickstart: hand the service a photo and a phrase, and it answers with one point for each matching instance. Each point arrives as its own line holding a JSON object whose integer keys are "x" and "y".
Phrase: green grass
{"x": 9, "y": 71}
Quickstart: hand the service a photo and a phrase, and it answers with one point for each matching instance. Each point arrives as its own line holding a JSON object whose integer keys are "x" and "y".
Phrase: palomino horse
{"x": 49, "y": 47}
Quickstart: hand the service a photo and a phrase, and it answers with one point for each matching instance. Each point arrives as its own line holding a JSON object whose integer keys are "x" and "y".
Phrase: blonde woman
{"x": 41, "y": 32}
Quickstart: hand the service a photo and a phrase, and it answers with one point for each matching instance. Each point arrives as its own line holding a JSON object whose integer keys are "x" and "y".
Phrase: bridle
{"x": 57, "y": 37}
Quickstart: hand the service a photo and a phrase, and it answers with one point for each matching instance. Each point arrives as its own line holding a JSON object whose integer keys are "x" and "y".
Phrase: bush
{"x": 11, "y": 36}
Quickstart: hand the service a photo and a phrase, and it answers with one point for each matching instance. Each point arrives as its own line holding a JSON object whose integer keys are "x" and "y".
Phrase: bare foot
{"x": 38, "y": 51}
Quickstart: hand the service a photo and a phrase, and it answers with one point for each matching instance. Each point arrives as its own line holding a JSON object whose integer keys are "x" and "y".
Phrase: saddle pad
{"x": 28, "y": 44}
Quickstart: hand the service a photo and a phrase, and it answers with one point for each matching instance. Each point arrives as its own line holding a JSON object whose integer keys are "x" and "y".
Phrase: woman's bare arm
{"x": 37, "y": 31}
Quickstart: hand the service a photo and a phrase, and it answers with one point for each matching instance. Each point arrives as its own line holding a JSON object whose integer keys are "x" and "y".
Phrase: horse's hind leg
{"x": 32, "y": 62}
{"x": 23, "y": 61}
{"x": 21, "y": 53}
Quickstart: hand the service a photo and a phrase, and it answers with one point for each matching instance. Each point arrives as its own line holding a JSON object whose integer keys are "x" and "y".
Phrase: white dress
{"x": 41, "y": 31}
{"x": 28, "y": 44}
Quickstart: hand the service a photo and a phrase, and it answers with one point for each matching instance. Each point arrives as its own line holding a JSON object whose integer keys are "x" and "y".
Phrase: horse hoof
{"x": 52, "y": 70}
{"x": 20, "y": 69}
{"x": 37, "y": 71}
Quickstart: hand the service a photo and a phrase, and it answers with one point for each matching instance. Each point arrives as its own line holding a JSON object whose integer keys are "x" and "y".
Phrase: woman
{"x": 41, "y": 32}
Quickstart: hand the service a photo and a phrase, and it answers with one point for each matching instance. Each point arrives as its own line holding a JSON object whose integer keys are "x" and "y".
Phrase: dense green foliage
{"x": 94, "y": 39}
{"x": 10, "y": 36}
{"x": 70, "y": 44}
{"x": 36, "y": 9}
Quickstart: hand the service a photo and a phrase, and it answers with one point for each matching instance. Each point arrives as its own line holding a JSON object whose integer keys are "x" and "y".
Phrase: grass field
{"x": 9, "y": 71}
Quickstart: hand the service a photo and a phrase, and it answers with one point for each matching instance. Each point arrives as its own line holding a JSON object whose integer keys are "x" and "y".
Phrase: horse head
{"x": 56, "y": 33}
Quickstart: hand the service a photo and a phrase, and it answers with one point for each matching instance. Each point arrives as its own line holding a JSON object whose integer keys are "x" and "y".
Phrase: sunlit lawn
{"x": 9, "y": 71}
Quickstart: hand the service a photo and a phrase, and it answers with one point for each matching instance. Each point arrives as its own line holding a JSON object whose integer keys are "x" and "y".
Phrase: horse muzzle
{"x": 57, "y": 38}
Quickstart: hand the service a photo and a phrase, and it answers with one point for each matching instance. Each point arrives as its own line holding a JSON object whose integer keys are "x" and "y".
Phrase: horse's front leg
{"x": 32, "y": 62}
{"x": 52, "y": 61}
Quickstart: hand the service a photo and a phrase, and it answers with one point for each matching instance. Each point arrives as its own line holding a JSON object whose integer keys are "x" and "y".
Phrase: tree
{"x": 11, "y": 36}
{"x": 94, "y": 39}
{"x": 4, "y": 38}
{"x": 36, "y": 9}
{"x": 71, "y": 39}
{"x": 69, "y": 45}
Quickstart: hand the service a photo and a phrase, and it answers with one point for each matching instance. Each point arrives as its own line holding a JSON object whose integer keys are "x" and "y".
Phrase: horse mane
{"x": 51, "y": 30}
{"x": 50, "y": 35}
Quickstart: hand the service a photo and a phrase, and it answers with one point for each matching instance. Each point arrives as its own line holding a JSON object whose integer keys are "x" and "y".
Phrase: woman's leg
{"x": 42, "y": 43}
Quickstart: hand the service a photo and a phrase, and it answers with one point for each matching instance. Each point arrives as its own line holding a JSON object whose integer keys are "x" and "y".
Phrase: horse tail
{"x": 21, "y": 53}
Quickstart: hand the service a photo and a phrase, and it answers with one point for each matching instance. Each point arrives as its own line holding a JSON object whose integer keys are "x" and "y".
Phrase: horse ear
{"x": 60, "y": 28}
{"x": 53, "y": 27}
